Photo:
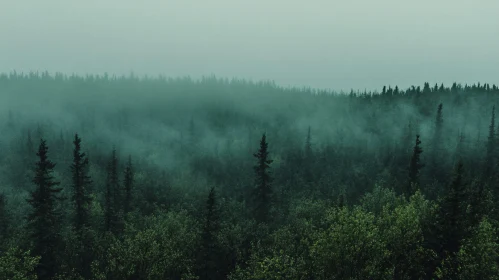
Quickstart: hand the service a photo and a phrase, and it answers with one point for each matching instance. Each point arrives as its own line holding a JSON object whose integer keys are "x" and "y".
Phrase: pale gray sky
{"x": 328, "y": 44}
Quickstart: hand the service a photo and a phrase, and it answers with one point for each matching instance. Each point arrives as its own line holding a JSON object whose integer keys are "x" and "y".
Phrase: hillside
{"x": 180, "y": 182}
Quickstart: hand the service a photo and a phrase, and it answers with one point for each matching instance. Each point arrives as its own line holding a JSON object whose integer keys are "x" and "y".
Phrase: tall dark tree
{"x": 44, "y": 219}
{"x": 81, "y": 199}
{"x": 491, "y": 146}
{"x": 112, "y": 212}
{"x": 415, "y": 166}
{"x": 263, "y": 190}
{"x": 426, "y": 88}
{"x": 452, "y": 221}
{"x": 128, "y": 186}
{"x": 209, "y": 246}
{"x": 436, "y": 152}
{"x": 81, "y": 186}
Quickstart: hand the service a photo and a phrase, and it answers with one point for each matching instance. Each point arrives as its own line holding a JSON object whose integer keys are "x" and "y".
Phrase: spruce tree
{"x": 436, "y": 147}
{"x": 452, "y": 221}
{"x": 415, "y": 166}
{"x": 44, "y": 219}
{"x": 128, "y": 186}
{"x": 81, "y": 199}
{"x": 81, "y": 186}
{"x": 263, "y": 189}
{"x": 209, "y": 247}
{"x": 112, "y": 212}
{"x": 491, "y": 147}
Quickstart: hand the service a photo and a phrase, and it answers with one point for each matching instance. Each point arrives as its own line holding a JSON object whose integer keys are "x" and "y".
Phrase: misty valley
{"x": 127, "y": 177}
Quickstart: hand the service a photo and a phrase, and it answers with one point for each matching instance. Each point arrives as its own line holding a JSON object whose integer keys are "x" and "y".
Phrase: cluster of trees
{"x": 390, "y": 185}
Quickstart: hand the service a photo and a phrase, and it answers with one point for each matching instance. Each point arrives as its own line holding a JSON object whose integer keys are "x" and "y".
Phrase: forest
{"x": 127, "y": 177}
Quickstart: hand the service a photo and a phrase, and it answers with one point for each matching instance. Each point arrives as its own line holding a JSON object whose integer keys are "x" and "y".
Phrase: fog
{"x": 324, "y": 44}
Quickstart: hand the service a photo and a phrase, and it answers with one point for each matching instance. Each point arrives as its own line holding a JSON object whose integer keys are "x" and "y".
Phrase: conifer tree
{"x": 436, "y": 147}
{"x": 44, "y": 219}
{"x": 396, "y": 91}
{"x": 263, "y": 189}
{"x": 491, "y": 146}
{"x": 113, "y": 213}
{"x": 426, "y": 88}
{"x": 479, "y": 203}
{"x": 415, "y": 166}
{"x": 81, "y": 184}
{"x": 442, "y": 88}
{"x": 209, "y": 247}
{"x": 452, "y": 221}
{"x": 81, "y": 199}
{"x": 128, "y": 186}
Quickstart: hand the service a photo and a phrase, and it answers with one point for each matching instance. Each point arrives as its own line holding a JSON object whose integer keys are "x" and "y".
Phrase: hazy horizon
{"x": 324, "y": 44}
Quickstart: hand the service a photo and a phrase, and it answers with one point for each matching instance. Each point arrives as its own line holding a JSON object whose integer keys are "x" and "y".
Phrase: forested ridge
{"x": 105, "y": 177}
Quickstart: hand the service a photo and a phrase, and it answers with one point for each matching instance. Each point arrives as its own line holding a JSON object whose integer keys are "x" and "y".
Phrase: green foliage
{"x": 164, "y": 249}
{"x": 352, "y": 247}
{"x": 478, "y": 257}
{"x": 401, "y": 230}
{"x": 277, "y": 266}
{"x": 378, "y": 199}
{"x": 16, "y": 264}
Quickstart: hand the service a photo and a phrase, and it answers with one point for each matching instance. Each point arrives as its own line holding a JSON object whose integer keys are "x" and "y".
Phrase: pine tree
{"x": 415, "y": 166}
{"x": 452, "y": 221}
{"x": 442, "y": 88}
{"x": 128, "y": 186}
{"x": 81, "y": 184}
{"x": 263, "y": 190}
{"x": 491, "y": 147}
{"x": 209, "y": 248}
{"x": 435, "y": 88}
{"x": 479, "y": 203}
{"x": 426, "y": 88}
{"x": 44, "y": 220}
{"x": 396, "y": 91}
{"x": 436, "y": 147}
{"x": 113, "y": 213}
